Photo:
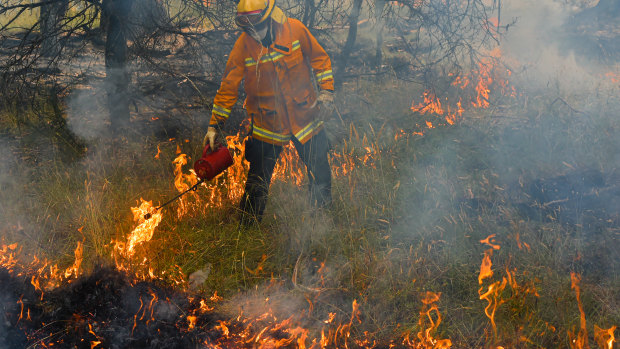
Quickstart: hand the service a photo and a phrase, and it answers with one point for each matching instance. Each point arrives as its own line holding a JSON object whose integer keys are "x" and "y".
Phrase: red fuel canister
{"x": 213, "y": 162}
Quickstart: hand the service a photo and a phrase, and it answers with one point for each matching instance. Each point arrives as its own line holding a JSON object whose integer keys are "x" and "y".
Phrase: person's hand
{"x": 326, "y": 106}
{"x": 210, "y": 138}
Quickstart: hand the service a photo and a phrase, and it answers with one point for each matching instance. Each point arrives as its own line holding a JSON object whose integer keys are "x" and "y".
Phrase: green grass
{"x": 401, "y": 223}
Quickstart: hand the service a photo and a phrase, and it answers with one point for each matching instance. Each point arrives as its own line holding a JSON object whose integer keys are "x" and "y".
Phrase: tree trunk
{"x": 379, "y": 6}
{"x": 51, "y": 18}
{"x": 350, "y": 43}
{"x": 116, "y": 13}
{"x": 308, "y": 6}
{"x": 310, "y": 10}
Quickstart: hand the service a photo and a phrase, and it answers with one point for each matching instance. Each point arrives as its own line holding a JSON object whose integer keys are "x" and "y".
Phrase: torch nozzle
{"x": 193, "y": 188}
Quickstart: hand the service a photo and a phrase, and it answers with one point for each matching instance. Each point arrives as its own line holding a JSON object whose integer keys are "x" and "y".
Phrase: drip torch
{"x": 212, "y": 163}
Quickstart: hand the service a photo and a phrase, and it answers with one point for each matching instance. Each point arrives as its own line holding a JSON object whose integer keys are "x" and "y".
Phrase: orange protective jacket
{"x": 281, "y": 97}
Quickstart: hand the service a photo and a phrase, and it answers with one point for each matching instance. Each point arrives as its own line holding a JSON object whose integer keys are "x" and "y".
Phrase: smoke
{"x": 14, "y": 180}
{"x": 545, "y": 156}
{"x": 87, "y": 115}
{"x": 542, "y": 46}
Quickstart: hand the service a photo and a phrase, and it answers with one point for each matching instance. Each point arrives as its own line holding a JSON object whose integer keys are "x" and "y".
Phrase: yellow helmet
{"x": 253, "y": 12}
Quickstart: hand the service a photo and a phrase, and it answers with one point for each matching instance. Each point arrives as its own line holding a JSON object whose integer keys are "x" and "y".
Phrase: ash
{"x": 102, "y": 310}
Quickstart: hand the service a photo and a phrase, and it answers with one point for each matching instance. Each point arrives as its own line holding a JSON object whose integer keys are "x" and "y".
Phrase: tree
{"x": 350, "y": 43}
{"x": 52, "y": 15}
{"x": 116, "y": 13}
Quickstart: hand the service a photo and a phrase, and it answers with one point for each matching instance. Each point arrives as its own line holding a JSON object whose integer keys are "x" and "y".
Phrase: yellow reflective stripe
{"x": 221, "y": 109}
{"x": 271, "y": 57}
{"x": 270, "y": 135}
{"x": 324, "y": 75}
{"x": 318, "y": 75}
{"x": 308, "y": 129}
{"x": 219, "y": 113}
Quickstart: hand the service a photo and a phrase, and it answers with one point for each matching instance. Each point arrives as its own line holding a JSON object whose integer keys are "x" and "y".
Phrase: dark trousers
{"x": 263, "y": 157}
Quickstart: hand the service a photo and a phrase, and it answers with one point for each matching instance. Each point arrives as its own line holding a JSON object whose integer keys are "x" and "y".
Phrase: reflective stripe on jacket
{"x": 279, "y": 84}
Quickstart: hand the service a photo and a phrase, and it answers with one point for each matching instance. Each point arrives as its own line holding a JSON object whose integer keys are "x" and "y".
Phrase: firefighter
{"x": 289, "y": 86}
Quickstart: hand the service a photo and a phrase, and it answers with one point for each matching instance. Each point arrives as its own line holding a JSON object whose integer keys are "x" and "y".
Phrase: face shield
{"x": 252, "y": 25}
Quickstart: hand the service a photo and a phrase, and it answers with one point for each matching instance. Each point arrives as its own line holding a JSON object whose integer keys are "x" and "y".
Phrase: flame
{"x": 475, "y": 86}
{"x": 183, "y": 182}
{"x": 430, "y": 105}
{"x": 605, "y": 337}
{"x": 493, "y": 297}
{"x": 522, "y": 244}
{"x": 228, "y": 187}
{"x": 192, "y": 322}
{"x": 485, "y": 267}
{"x": 44, "y": 274}
{"x": 494, "y": 290}
{"x": 490, "y": 240}
{"x": 581, "y": 340}
{"x": 428, "y": 324}
{"x": 223, "y": 328}
{"x": 145, "y": 229}
{"x": 75, "y": 268}
{"x": 289, "y": 166}
{"x": 7, "y": 256}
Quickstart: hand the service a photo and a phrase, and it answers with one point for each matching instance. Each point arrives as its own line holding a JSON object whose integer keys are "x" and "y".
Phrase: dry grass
{"x": 407, "y": 219}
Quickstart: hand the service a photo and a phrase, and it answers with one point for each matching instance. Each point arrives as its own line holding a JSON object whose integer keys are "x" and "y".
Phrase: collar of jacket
{"x": 283, "y": 43}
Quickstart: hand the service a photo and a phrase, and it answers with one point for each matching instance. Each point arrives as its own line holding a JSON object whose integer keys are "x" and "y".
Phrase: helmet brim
{"x": 252, "y": 15}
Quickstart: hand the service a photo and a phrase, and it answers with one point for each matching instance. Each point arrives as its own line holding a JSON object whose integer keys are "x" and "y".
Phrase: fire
{"x": 182, "y": 182}
{"x": 75, "y": 269}
{"x": 579, "y": 341}
{"x": 7, "y": 256}
{"x": 485, "y": 268}
{"x": 228, "y": 187}
{"x": 431, "y": 104}
{"x": 144, "y": 231}
{"x": 493, "y": 293}
{"x": 490, "y": 240}
{"x": 43, "y": 274}
{"x": 269, "y": 330}
{"x": 428, "y": 324}
{"x": 475, "y": 87}
{"x": 605, "y": 337}
{"x": 289, "y": 166}
{"x": 494, "y": 299}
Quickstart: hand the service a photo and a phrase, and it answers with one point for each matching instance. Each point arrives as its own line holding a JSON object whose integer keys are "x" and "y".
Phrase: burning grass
{"x": 495, "y": 227}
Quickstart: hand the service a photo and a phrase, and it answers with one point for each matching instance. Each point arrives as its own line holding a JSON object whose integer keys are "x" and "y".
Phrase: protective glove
{"x": 326, "y": 105}
{"x": 210, "y": 138}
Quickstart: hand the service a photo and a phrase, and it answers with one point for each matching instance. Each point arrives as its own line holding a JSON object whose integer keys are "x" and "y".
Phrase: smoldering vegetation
{"x": 102, "y": 309}
{"x": 422, "y": 191}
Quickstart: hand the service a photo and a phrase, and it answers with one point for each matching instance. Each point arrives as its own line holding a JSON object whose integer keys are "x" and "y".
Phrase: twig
{"x": 298, "y": 286}
{"x": 566, "y": 104}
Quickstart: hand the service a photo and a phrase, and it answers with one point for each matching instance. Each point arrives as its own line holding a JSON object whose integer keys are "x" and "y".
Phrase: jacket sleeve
{"x": 319, "y": 60}
{"x": 229, "y": 89}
